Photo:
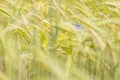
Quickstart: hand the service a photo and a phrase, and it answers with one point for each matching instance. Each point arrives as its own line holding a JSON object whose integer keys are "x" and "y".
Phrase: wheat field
{"x": 59, "y": 40}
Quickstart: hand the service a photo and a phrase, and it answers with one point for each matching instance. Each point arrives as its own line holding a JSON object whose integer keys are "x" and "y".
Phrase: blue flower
{"x": 77, "y": 26}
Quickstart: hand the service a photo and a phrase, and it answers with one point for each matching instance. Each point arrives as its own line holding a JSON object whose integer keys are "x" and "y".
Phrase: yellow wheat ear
{"x": 45, "y": 23}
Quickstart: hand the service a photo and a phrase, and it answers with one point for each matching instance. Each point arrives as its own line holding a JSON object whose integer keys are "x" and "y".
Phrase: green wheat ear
{"x": 21, "y": 33}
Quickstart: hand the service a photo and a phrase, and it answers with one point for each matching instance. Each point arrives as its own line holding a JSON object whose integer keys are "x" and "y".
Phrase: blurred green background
{"x": 59, "y": 39}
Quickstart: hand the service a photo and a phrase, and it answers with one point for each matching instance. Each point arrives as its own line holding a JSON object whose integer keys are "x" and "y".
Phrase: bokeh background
{"x": 59, "y": 39}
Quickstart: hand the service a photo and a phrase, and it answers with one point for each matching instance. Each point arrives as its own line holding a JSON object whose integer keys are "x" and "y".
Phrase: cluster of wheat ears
{"x": 59, "y": 39}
